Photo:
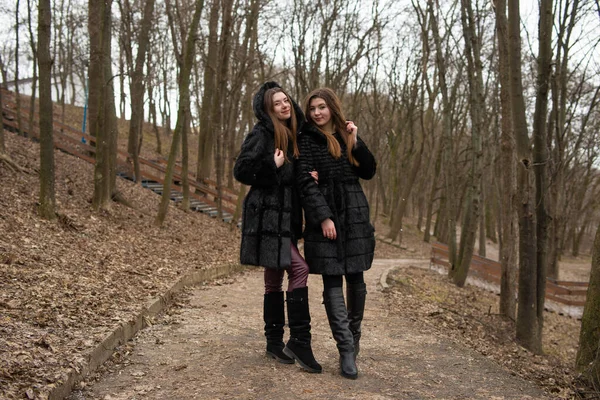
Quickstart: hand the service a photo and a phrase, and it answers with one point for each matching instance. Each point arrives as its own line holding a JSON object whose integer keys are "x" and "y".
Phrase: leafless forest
{"x": 484, "y": 116}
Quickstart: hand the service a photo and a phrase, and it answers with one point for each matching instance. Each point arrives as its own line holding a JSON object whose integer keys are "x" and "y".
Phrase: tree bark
{"x": 34, "y": 77}
{"x": 17, "y": 94}
{"x": 101, "y": 101}
{"x": 447, "y": 143}
{"x": 3, "y": 74}
{"x": 588, "y": 354}
{"x": 47, "y": 193}
{"x": 527, "y": 313}
{"x": 137, "y": 89}
{"x": 508, "y": 233}
{"x": 540, "y": 154}
{"x": 217, "y": 119}
{"x": 477, "y": 107}
{"x": 206, "y": 135}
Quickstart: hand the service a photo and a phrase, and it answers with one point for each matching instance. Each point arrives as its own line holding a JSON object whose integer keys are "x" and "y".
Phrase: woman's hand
{"x": 328, "y": 228}
{"x": 279, "y": 157}
{"x": 315, "y": 176}
{"x": 352, "y": 133}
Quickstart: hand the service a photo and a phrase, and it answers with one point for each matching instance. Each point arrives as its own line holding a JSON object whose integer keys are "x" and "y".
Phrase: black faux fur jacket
{"x": 339, "y": 196}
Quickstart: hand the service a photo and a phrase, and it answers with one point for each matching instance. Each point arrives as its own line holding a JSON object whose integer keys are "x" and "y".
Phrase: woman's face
{"x": 281, "y": 106}
{"x": 319, "y": 112}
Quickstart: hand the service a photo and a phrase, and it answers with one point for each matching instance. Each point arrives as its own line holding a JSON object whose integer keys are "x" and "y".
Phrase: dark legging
{"x": 331, "y": 281}
{"x": 297, "y": 274}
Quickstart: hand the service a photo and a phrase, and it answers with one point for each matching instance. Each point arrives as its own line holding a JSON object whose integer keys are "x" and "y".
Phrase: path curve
{"x": 215, "y": 350}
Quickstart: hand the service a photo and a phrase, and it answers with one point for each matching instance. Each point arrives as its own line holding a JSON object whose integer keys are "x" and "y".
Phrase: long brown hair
{"x": 337, "y": 118}
{"x": 283, "y": 132}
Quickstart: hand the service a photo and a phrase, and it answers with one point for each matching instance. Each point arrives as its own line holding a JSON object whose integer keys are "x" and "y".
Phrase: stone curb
{"x": 127, "y": 330}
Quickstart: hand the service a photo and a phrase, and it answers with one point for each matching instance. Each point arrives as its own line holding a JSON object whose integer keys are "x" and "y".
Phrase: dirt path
{"x": 213, "y": 348}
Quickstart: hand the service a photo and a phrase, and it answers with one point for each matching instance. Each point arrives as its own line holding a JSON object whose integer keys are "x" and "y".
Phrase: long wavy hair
{"x": 338, "y": 121}
{"x": 284, "y": 132}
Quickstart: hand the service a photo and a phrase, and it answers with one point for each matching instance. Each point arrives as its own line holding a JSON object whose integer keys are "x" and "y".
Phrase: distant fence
{"x": 566, "y": 293}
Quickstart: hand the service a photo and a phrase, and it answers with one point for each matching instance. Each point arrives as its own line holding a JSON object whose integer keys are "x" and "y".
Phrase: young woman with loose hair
{"x": 272, "y": 222}
{"x": 339, "y": 239}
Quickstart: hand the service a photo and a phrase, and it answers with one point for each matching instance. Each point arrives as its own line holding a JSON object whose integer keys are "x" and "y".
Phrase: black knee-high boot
{"x": 337, "y": 314}
{"x": 355, "y": 296}
{"x": 274, "y": 317}
{"x": 298, "y": 347}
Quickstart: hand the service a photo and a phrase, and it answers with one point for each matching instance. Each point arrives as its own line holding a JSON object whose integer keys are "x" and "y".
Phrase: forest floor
{"x": 65, "y": 285}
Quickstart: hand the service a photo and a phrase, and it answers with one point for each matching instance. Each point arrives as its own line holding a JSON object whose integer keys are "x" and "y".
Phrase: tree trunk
{"x": 432, "y": 194}
{"x": 217, "y": 118}
{"x": 137, "y": 89}
{"x": 527, "y": 314}
{"x": 482, "y": 224}
{"x": 447, "y": 143}
{"x": 47, "y": 193}
{"x": 477, "y": 107}
{"x": 17, "y": 94}
{"x": 588, "y": 355}
{"x": 182, "y": 114}
{"x": 508, "y": 231}
{"x": 540, "y": 154}
{"x": 101, "y": 95}
{"x": 3, "y": 73}
{"x": 34, "y": 77}
{"x": 206, "y": 135}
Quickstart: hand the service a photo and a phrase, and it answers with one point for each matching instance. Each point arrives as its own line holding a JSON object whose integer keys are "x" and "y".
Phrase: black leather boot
{"x": 355, "y": 296}
{"x": 337, "y": 314}
{"x": 274, "y": 317}
{"x": 298, "y": 347}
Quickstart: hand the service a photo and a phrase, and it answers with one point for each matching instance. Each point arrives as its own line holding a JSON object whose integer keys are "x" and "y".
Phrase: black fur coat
{"x": 272, "y": 215}
{"x": 339, "y": 196}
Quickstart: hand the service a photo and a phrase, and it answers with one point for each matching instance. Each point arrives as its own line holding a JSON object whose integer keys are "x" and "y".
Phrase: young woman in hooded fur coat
{"x": 339, "y": 239}
{"x": 272, "y": 222}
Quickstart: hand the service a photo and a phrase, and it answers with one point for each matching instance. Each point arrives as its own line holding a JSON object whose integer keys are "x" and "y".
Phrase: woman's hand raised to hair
{"x": 328, "y": 228}
{"x": 279, "y": 157}
{"x": 352, "y": 133}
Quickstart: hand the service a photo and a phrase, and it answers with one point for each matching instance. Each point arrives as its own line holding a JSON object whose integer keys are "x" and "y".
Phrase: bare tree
{"x": 101, "y": 102}
{"x": 527, "y": 313}
{"x": 47, "y": 196}
{"x": 447, "y": 157}
{"x": 217, "y": 117}
{"x": 540, "y": 154}
{"x": 34, "y": 77}
{"x": 476, "y": 107}
{"x": 137, "y": 86}
{"x": 183, "y": 113}
{"x": 207, "y": 136}
{"x": 508, "y": 232}
{"x": 17, "y": 94}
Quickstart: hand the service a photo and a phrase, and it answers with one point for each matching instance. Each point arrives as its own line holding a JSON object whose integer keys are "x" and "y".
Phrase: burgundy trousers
{"x": 297, "y": 274}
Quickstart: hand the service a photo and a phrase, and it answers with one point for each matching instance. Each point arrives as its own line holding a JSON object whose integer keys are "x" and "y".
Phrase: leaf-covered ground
{"x": 65, "y": 284}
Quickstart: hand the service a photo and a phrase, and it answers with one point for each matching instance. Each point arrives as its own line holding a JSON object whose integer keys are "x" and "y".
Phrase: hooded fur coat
{"x": 272, "y": 214}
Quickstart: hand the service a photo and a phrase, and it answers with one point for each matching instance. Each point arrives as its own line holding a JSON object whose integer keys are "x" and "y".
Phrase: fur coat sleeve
{"x": 313, "y": 200}
{"x": 367, "y": 164}
{"x": 255, "y": 165}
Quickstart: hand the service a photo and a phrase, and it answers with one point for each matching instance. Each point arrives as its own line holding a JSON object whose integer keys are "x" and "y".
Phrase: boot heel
{"x": 313, "y": 370}
{"x": 281, "y": 357}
